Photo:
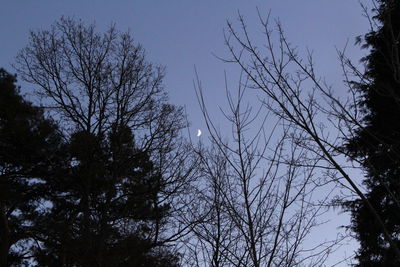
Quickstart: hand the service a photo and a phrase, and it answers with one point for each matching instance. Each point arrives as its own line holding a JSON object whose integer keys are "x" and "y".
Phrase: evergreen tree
{"x": 102, "y": 206}
{"x": 29, "y": 148}
{"x": 377, "y": 143}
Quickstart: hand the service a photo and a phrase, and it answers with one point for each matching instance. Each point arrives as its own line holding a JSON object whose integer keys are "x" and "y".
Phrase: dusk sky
{"x": 184, "y": 35}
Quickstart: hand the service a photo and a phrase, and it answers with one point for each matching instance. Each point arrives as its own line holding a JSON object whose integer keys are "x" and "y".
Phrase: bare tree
{"x": 96, "y": 83}
{"x": 94, "y": 80}
{"x": 256, "y": 205}
{"x": 320, "y": 121}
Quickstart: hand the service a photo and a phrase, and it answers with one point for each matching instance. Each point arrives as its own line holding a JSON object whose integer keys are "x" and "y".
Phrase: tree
{"x": 104, "y": 207}
{"x": 255, "y": 205}
{"x": 376, "y": 144}
{"x": 320, "y": 121}
{"x": 121, "y": 192}
{"x": 29, "y": 154}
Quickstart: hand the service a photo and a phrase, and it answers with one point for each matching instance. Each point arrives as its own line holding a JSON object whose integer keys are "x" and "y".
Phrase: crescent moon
{"x": 198, "y": 132}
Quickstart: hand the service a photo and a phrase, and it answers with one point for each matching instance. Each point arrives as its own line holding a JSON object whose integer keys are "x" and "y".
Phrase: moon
{"x": 198, "y": 132}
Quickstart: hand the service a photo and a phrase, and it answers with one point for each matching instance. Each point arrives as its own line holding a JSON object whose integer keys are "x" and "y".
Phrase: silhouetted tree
{"x": 118, "y": 200}
{"x": 321, "y": 122}
{"x": 377, "y": 143}
{"x": 103, "y": 209}
{"x": 255, "y": 202}
{"x": 29, "y": 154}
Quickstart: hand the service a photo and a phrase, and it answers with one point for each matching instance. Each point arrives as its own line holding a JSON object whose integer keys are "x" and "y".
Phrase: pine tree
{"x": 29, "y": 153}
{"x": 377, "y": 143}
{"x": 102, "y": 206}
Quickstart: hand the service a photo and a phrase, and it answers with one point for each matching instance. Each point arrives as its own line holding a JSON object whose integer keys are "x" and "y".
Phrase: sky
{"x": 186, "y": 34}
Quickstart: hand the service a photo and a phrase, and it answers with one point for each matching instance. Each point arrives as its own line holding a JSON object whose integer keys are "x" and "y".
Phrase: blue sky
{"x": 182, "y": 34}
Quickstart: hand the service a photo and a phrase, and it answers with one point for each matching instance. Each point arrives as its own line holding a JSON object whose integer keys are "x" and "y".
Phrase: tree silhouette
{"x": 322, "y": 123}
{"x": 29, "y": 154}
{"x": 117, "y": 200}
{"x": 377, "y": 143}
{"x": 103, "y": 206}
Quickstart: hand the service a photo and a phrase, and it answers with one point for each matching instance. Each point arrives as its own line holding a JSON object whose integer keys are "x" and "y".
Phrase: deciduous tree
{"x": 322, "y": 121}
{"x": 255, "y": 201}
{"x": 119, "y": 200}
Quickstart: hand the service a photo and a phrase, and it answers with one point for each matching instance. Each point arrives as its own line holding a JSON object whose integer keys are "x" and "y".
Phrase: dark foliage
{"x": 87, "y": 201}
{"x": 102, "y": 206}
{"x": 108, "y": 203}
{"x": 29, "y": 154}
{"x": 377, "y": 144}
